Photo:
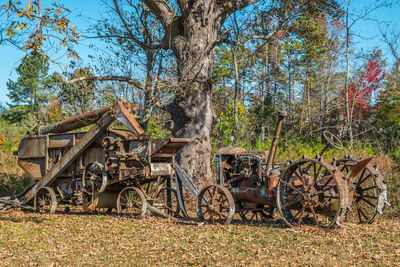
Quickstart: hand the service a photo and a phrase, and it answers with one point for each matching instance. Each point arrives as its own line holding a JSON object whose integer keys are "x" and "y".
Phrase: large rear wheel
{"x": 312, "y": 192}
{"x": 367, "y": 191}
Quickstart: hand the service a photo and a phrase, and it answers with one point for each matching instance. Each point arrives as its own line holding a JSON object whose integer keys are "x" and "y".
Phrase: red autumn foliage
{"x": 280, "y": 34}
{"x": 361, "y": 90}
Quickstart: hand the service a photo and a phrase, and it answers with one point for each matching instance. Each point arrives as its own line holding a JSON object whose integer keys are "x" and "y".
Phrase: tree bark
{"x": 192, "y": 38}
{"x": 349, "y": 115}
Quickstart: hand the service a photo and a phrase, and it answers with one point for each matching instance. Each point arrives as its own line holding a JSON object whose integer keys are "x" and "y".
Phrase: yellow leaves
{"x": 28, "y": 15}
{"x": 75, "y": 55}
{"x": 28, "y": 6}
{"x": 21, "y": 13}
{"x": 53, "y": 24}
{"x": 2, "y": 139}
{"x": 16, "y": 139}
{"x": 10, "y": 32}
{"x": 20, "y": 26}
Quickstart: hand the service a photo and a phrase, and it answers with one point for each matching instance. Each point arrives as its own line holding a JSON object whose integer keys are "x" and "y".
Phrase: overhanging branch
{"x": 129, "y": 80}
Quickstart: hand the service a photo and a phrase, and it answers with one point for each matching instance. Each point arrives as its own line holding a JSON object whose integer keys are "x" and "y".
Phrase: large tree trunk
{"x": 191, "y": 111}
{"x": 192, "y": 36}
{"x": 195, "y": 156}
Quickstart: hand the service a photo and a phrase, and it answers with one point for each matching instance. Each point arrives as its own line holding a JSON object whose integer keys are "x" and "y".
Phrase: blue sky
{"x": 81, "y": 9}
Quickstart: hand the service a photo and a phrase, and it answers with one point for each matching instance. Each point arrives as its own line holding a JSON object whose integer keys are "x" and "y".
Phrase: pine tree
{"x": 31, "y": 89}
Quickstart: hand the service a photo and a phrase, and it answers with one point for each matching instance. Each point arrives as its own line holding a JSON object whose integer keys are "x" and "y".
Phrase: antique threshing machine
{"x": 307, "y": 191}
{"x": 102, "y": 168}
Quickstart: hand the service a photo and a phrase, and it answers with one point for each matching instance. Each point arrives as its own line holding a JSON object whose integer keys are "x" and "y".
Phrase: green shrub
{"x": 11, "y": 184}
{"x": 156, "y": 130}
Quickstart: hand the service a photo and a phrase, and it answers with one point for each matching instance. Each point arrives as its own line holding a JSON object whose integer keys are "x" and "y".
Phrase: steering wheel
{"x": 333, "y": 140}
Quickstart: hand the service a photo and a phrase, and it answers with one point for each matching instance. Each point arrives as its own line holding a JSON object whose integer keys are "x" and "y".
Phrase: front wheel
{"x": 45, "y": 200}
{"x": 215, "y": 204}
{"x": 131, "y": 202}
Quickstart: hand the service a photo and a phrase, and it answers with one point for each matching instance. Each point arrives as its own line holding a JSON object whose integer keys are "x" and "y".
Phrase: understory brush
{"x": 13, "y": 180}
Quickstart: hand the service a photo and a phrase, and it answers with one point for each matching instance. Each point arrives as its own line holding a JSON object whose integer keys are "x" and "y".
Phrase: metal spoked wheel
{"x": 167, "y": 201}
{"x": 256, "y": 214}
{"x": 131, "y": 202}
{"x": 312, "y": 191}
{"x": 94, "y": 178}
{"x": 45, "y": 200}
{"x": 215, "y": 204}
{"x": 367, "y": 190}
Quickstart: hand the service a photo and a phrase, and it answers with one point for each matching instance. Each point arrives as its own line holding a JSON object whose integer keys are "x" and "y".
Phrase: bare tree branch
{"x": 392, "y": 41}
{"x": 129, "y": 80}
{"x": 183, "y": 6}
{"x": 240, "y": 4}
{"x": 142, "y": 45}
{"x": 161, "y": 10}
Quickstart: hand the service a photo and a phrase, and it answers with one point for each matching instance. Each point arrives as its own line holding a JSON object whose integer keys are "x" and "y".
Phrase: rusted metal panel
{"x": 71, "y": 155}
{"x": 253, "y": 194}
{"x": 128, "y": 135}
{"x": 128, "y": 119}
{"x": 34, "y": 167}
{"x": 230, "y": 150}
{"x": 93, "y": 154}
{"x": 61, "y": 140}
{"x": 357, "y": 168}
{"x": 169, "y": 146}
{"x": 32, "y": 147}
{"x": 32, "y": 156}
{"x": 157, "y": 169}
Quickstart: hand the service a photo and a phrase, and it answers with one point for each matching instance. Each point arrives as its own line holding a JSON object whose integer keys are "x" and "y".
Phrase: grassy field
{"x": 96, "y": 239}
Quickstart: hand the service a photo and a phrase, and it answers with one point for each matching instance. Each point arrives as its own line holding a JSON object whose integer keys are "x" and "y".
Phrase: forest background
{"x": 297, "y": 56}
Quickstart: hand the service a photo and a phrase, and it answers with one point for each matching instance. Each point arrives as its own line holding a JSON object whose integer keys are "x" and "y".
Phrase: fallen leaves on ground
{"x": 97, "y": 239}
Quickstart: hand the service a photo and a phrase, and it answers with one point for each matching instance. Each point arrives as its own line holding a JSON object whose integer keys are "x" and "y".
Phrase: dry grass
{"x": 95, "y": 239}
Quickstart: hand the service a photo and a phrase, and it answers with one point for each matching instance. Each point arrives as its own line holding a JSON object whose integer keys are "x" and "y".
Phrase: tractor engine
{"x": 244, "y": 174}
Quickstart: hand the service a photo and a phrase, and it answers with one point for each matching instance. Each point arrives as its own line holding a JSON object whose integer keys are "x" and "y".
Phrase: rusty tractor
{"x": 307, "y": 191}
{"x": 102, "y": 168}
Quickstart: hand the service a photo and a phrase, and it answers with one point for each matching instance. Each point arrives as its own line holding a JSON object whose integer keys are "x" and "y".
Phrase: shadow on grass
{"x": 194, "y": 221}
{"x": 275, "y": 222}
{"x": 34, "y": 219}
